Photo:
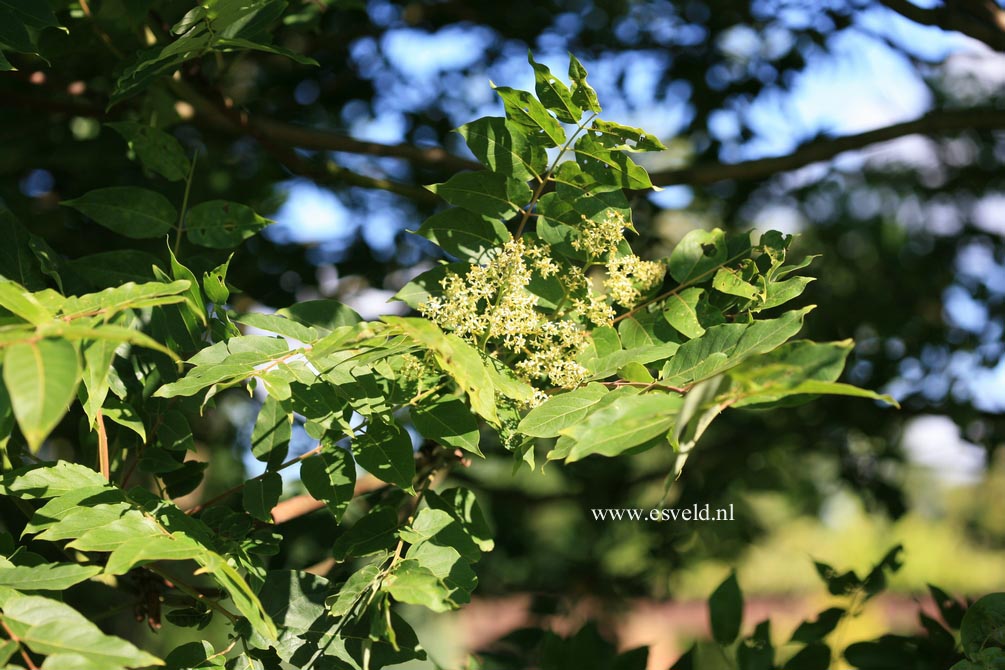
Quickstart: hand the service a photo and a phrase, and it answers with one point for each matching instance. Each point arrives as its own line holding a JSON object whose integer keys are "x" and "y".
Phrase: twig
{"x": 103, "y": 464}
{"x": 20, "y": 645}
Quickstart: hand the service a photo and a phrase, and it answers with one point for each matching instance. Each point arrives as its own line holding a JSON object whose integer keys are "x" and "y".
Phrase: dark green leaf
{"x": 270, "y": 438}
{"x": 582, "y": 93}
{"x": 505, "y": 147}
{"x": 487, "y": 193}
{"x": 449, "y": 422}
{"x": 220, "y": 224}
{"x": 261, "y": 495}
{"x": 984, "y": 624}
{"x": 127, "y": 210}
{"x": 385, "y": 451}
{"x": 464, "y": 234}
{"x": 525, "y": 110}
{"x": 553, "y": 93}
{"x": 157, "y": 150}
{"x": 725, "y": 610}
{"x": 330, "y": 476}
{"x": 374, "y": 532}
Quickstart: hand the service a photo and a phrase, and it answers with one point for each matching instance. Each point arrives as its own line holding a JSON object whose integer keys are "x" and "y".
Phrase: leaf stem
{"x": 19, "y": 643}
{"x": 184, "y": 203}
{"x": 103, "y": 464}
{"x": 677, "y": 289}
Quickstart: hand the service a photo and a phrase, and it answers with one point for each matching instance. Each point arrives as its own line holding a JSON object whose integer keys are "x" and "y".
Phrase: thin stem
{"x": 543, "y": 181}
{"x": 677, "y": 289}
{"x": 239, "y": 487}
{"x": 20, "y": 645}
{"x": 194, "y": 592}
{"x": 184, "y": 203}
{"x": 103, "y": 464}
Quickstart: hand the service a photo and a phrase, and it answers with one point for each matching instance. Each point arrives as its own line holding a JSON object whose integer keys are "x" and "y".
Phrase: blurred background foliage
{"x": 874, "y": 129}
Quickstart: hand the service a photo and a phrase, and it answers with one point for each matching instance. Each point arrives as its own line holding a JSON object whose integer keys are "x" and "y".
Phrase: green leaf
{"x": 553, "y": 93}
{"x": 611, "y": 169}
{"x": 410, "y": 582}
{"x": 280, "y": 325}
{"x": 47, "y": 576}
{"x": 756, "y": 652}
{"x": 626, "y": 422}
{"x": 270, "y": 438}
{"x": 725, "y": 610}
{"x": 174, "y": 432}
{"x": 214, "y": 283}
{"x": 561, "y": 411}
{"x": 582, "y": 93}
{"x": 142, "y": 550}
{"x": 815, "y": 656}
{"x": 31, "y": 14}
{"x": 323, "y": 315}
{"x": 447, "y": 564}
{"x": 385, "y": 451}
{"x": 525, "y": 110}
{"x": 727, "y": 345}
{"x": 358, "y": 583}
{"x": 697, "y": 254}
{"x": 127, "y": 296}
{"x": 464, "y": 234}
{"x": 809, "y": 632}
{"x": 50, "y": 481}
{"x": 681, "y": 312}
{"x": 221, "y": 224}
{"x": 114, "y": 268}
{"x": 127, "y": 210}
{"x": 98, "y": 356}
{"x": 14, "y": 35}
{"x": 41, "y": 379}
{"x": 984, "y": 624}
{"x": 125, "y": 415}
{"x": 262, "y": 494}
{"x": 374, "y": 532}
{"x": 294, "y": 600}
{"x": 17, "y": 263}
{"x": 239, "y": 44}
{"x": 463, "y": 506}
{"x": 50, "y": 627}
{"x": 505, "y": 147}
{"x": 330, "y": 476}
{"x": 21, "y": 302}
{"x": 157, "y": 150}
{"x": 487, "y": 193}
{"x": 625, "y": 138}
{"x": 729, "y": 281}
{"x": 457, "y": 358}
{"x": 449, "y": 422}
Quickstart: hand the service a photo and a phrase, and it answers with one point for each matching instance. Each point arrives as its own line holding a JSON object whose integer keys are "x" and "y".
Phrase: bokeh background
{"x": 875, "y": 130}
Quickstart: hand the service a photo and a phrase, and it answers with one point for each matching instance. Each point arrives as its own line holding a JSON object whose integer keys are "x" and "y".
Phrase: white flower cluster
{"x": 628, "y": 277}
{"x": 600, "y": 239}
{"x": 491, "y": 303}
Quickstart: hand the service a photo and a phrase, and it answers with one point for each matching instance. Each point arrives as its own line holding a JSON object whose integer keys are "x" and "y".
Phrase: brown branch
{"x": 237, "y": 122}
{"x": 303, "y": 504}
{"x": 819, "y": 150}
{"x": 323, "y": 140}
{"x": 982, "y": 20}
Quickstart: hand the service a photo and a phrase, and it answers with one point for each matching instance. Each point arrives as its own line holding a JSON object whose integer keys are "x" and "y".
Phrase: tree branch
{"x": 982, "y": 20}
{"x": 236, "y": 122}
{"x": 818, "y": 150}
